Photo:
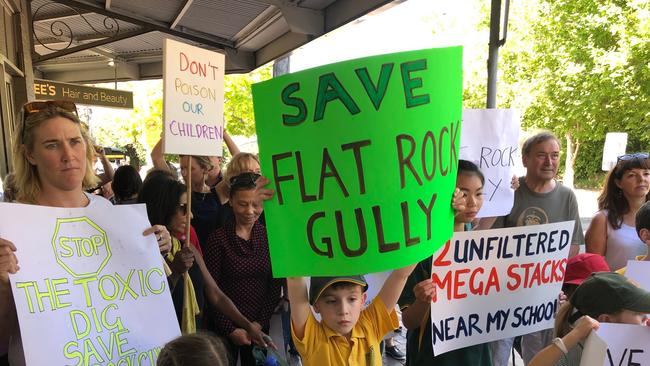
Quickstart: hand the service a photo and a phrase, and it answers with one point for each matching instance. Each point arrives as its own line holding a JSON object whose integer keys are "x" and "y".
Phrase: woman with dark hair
{"x": 126, "y": 185}
{"x": 166, "y": 200}
{"x": 415, "y": 300}
{"x": 237, "y": 256}
{"x": 612, "y": 233}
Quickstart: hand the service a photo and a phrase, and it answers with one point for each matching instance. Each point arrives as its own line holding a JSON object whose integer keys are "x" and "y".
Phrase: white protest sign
{"x": 490, "y": 139}
{"x": 594, "y": 350}
{"x": 620, "y": 344}
{"x": 615, "y": 145}
{"x": 495, "y": 284}
{"x": 375, "y": 283}
{"x": 639, "y": 271}
{"x": 193, "y": 100}
{"x": 88, "y": 276}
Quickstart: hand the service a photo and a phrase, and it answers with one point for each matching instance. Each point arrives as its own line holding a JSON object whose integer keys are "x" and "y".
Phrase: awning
{"x": 106, "y": 40}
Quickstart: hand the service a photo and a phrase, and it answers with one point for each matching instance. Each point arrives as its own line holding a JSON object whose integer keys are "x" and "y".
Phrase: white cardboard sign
{"x": 615, "y": 145}
{"x": 495, "y": 284}
{"x": 91, "y": 288}
{"x": 193, "y": 100}
{"x": 617, "y": 345}
{"x": 639, "y": 271}
{"x": 490, "y": 139}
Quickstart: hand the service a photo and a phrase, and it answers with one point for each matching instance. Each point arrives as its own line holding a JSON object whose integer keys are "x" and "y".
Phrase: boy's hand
{"x": 240, "y": 337}
{"x": 424, "y": 291}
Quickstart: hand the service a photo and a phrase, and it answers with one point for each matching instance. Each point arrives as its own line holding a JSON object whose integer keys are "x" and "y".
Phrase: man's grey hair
{"x": 538, "y": 139}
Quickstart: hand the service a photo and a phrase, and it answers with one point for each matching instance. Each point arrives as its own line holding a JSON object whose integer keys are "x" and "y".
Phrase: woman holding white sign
{"x": 416, "y": 297}
{"x": 612, "y": 233}
{"x": 53, "y": 157}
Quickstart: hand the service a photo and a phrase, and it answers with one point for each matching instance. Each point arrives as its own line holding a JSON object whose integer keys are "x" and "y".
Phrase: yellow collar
{"x": 356, "y": 332}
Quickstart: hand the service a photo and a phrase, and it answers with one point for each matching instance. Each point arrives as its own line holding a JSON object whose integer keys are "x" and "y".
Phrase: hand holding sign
{"x": 458, "y": 202}
{"x": 162, "y": 237}
{"x": 8, "y": 260}
{"x": 424, "y": 291}
{"x": 183, "y": 260}
{"x": 583, "y": 327}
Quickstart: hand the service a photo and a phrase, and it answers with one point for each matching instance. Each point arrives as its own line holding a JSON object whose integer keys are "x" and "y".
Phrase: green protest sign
{"x": 363, "y": 157}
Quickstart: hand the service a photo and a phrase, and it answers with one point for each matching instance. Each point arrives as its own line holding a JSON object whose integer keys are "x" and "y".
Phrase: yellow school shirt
{"x": 322, "y": 346}
{"x": 622, "y": 270}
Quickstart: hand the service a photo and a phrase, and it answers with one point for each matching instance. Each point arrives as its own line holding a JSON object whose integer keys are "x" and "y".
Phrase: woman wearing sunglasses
{"x": 53, "y": 158}
{"x": 166, "y": 200}
{"x": 612, "y": 231}
{"x": 237, "y": 256}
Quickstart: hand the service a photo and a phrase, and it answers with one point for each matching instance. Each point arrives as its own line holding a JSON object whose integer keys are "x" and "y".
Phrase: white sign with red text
{"x": 495, "y": 284}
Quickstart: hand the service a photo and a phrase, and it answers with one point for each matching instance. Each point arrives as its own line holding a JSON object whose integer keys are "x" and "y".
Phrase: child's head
{"x": 339, "y": 301}
{"x": 199, "y": 349}
{"x": 607, "y": 297}
{"x": 642, "y": 222}
{"x": 470, "y": 181}
{"x": 579, "y": 268}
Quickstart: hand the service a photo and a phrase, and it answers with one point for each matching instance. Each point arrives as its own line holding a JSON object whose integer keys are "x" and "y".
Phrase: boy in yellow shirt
{"x": 347, "y": 335}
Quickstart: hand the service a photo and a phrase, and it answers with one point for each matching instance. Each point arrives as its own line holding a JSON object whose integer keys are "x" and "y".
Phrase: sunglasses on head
{"x": 244, "y": 180}
{"x": 626, "y": 157}
{"x": 41, "y": 105}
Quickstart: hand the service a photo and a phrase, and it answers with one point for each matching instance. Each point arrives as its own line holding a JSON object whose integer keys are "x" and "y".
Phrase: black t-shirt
{"x": 207, "y": 214}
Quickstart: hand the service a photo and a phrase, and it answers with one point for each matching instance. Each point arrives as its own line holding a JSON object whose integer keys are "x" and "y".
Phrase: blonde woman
{"x": 53, "y": 159}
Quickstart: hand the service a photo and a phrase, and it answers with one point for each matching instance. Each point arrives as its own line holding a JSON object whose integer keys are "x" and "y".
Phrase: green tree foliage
{"x": 580, "y": 69}
{"x": 238, "y": 101}
{"x": 140, "y": 130}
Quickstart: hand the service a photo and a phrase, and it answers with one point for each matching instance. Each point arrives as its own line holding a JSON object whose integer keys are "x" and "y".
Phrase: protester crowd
{"x": 220, "y": 274}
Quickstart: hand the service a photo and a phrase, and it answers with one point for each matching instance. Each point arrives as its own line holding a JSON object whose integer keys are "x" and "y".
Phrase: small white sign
{"x": 495, "y": 284}
{"x": 615, "y": 144}
{"x": 616, "y": 345}
{"x": 490, "y": 139}
{"x": 91, "y": 289}
{"x": 639, "y": 271}
{"x": 193, "y": 100}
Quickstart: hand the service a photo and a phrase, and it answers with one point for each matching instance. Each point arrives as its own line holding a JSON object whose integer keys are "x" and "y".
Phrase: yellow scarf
{"x": 190, "y": 306}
